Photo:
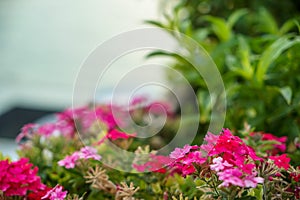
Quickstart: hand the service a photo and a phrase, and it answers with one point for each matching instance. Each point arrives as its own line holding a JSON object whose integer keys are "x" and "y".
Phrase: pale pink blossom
{"x": 219, "y": 165}
{"x": 69, "y": 162}
{"x": 56, "y": 193}
{"x": 231, "y": 177}
{"x": 89, "y": 152}
{"x": 85, "y": 153}
{"x": 181, "y": 152}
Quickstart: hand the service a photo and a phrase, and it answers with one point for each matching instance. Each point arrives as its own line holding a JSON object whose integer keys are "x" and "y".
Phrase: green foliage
{"x": 257, "y": 54}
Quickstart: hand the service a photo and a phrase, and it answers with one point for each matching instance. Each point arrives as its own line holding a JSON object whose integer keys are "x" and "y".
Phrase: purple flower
{"x": 56, "y": 193}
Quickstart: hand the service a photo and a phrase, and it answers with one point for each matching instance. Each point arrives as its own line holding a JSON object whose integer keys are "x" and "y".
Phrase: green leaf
{"x": 267, "y": 22}
{"x": 286, "y": 93}
{"x": 244, "y": 52}
{"x": 235, "y": 16}
{"x": 257, "y": 192}
{"x": 155, "y": 23}
{"x": 219, "y": 27}
{"x": 287, "y": 26}
{"x": 271, "y": 54}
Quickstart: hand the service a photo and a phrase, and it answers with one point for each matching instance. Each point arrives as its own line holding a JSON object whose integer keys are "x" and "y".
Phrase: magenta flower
{"x": 281, "y": 161}
{"x": 56, "y": 193}
{"x": 17, "y": 178}
{"x": 116, "y": 134}
{"x": 185, "y": 158}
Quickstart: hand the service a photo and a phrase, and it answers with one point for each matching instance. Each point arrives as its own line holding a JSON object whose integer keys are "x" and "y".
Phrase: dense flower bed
{"x": 71, "y": 158}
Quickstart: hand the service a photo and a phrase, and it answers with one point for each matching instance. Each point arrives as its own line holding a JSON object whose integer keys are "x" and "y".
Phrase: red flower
{"x": 39, "y": 194}
{"x": 281, "y": 161}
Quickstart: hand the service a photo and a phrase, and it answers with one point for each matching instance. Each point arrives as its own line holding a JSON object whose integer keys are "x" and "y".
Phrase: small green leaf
{"x": 286, "y": 93}
{"x": 155, "y": 23}
{"x": 287, "y": 26}
{"x": 219, "y": 27}
{"x": 272, "y": 53}
{"x": 235, "y": 16}
{"x": 268, "y": 23}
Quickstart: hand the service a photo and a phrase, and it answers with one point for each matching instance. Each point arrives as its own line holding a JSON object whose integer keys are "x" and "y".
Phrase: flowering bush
{"x": 72, "y": 158}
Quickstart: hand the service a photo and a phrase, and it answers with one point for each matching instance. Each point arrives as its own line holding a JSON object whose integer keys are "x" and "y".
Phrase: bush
{"x": 256, "y": 49}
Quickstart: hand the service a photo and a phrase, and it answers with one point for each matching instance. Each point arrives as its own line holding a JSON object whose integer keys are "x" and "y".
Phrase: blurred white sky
{"x": 44, "y": 42}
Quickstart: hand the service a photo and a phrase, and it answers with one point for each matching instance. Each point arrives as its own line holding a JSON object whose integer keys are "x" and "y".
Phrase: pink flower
{"x": 181, "y": 152}
{"x": 56, "y": 193}
{"x": 25, "y": 132}
{"x": 85, "y": 153}
{"x": 252, "y": 181}
{"x": 110, "y": 115}
{"x": 281, "y": 161}
{"x": 280, "y": 142}
{"x": 69, "y": 162}
{"x": 280, "y": 147}
{"x": 159, "y": 108}
{"x": 156, "y": 163}
{"x": 231, "y": 177}
{"x": 89, "y": 152}
{"x": 185, "y": 158}
{"x": 46, "y": 129}
{"x": 83, "y": 116}
{"x": 17, "y": 178}
{"x": 219, "y": 165}
{"x": 116, "y": 134}
{"x": 233, "y": 150}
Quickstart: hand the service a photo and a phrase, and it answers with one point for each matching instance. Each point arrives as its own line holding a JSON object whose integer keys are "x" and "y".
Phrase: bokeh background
{"x": 44, "y": 43}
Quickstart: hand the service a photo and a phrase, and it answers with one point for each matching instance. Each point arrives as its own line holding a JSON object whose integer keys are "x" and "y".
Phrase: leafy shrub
{"x": 256, "y": 51}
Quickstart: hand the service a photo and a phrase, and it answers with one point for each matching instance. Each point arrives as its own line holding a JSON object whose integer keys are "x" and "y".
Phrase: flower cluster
{"x": 234, "y": 161}
{"x": 19, "y": 177}
{"x": 227, "y": 155}
{"x": 225, "y": 166}
{"x": 185, "y": 158}
{"x": 84, "y": 153}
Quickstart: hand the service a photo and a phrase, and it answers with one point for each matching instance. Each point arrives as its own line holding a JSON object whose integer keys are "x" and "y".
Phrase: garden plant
{"x": 255, "y": 46}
